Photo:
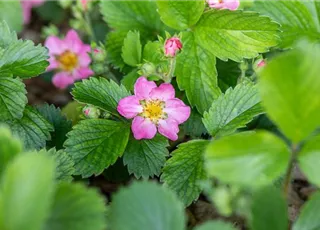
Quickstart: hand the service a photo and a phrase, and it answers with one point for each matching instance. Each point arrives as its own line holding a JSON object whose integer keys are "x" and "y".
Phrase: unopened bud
{"x": 172, "y": 46}
{"x": 148, "y": 69}
{"x": 90, "y": 112}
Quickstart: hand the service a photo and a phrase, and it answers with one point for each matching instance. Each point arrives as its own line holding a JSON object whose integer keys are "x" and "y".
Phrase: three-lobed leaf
{"x": 235, "y": 34}
{"x": 95, "y": 144}
{"x": 242, "y": 158}
{"x": 233, "y": 110}
{"x": 184, "y": 171}
{"x": 145, "y": 158}
{"x": 180, "y": 15}
{"x": 146, "y": 205}
{"x": 196, "y": 73}
{"x": 289, "y": 87}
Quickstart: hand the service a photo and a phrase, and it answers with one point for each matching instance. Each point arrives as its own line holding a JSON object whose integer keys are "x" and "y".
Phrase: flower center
{"x": 153, "y": 109}
{"x": 68, "y": 61}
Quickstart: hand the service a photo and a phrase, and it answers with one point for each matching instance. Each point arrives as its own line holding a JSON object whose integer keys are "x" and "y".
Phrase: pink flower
{"x": 70, "y": 58}
{"x": 261, "y": 63}
{"x": 172, "y": 47}
{"x": 154, "y": 108}
{"x": 224, "y": 4}
{"x": 27, "y": 6}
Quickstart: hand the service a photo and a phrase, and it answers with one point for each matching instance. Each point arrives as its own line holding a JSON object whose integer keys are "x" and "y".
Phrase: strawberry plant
{"x": 178, "y": 115}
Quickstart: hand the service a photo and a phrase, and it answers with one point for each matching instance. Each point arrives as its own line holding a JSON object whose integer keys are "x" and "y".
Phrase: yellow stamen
{"x": 153, "y": 109}
{"x": 68, "y": 61}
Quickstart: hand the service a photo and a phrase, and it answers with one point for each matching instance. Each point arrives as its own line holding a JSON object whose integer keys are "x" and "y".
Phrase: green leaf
{"x": 132, "y": 49}
{"x": 183, "y": 172}
{"x": 132, "y": 15}
{"x": 245, "y": 157}
{"x": 308, "y": 160}
{"x": 153, "y": 52}
{"x": 26, "y": 192}
{"x": 298, "y": 19}
{"x": 33, "y": 129}
{"x": 145, "y": 158}
{"x": 76, "y": 207}
{"x": 100, "y": 92}
{"x": 215, "y": 225}
{"x": 235, "y": 34}
{"x": 114, "y": 45}
{"x": 196, "y": 73}
{"x": 60, "y": 123}
{"x": 130, "y": 79}
{"x": 95, "y": 144}
{"x": 20, "y": 58}
{"x": 11, "y": 12}
{"x": 180, "y": 15}
{"x": 233, "y": 110}
{"x": 64, "y": 164}
{"x": 291, "y": 82}
{"x": 194, "y": 126}
{"x": 146, "y": 205}
{"x": 228, "y": 74}
{"x": 309, "y": 218}
{"x": 9, "y": 147}
{"x": 269, "y": 210}
{"x": 13, "y": 98}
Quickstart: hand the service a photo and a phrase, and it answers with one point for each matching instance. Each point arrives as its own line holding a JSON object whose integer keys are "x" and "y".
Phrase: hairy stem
{"x": 167, "y": 78}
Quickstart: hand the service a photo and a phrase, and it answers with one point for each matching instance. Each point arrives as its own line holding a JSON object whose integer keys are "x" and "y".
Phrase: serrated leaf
{"x": 13, "y": 98}
{"x": 100, "y": 92}
{"x": 146, "y": 205}
{"x": 60, "y": 124}
{"x": 20, "y": 58}
{"x": 291, "y": 82}
{"x": 145, "y": 158}
{"x": 233, "y": 110}
{"x": 11, "y": 12}
{"x": 153, "y": 52}
{"x": 26, "y": 192}
{"x": 114, "y": 45}
{"x": 242, "y": 158}
{"x": 274, "y": 214}
{"x": 64, "y": 164}
{"x": 309, "y": 218}
{"x": 33, "y": 129}
{"x": 95, "y": 144}
{"x": 235, "y": 34}
{"x": 298, "y": 19}
{"x": 180, "y": 15}
{"x": 196, "y": 73}
{"x": 183, "y": 172}
{"x": 76, "y": 207}
{"x": 194, "y": 126}
{"x": 228, "y": 74}
{"x": 132, "y": 49}
{"x": 215, "y": 225}
{"x": 308, "y": 159}
{"x": 9, "y": 147}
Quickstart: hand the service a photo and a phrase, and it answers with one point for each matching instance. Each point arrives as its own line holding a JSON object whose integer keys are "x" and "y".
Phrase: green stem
{"x": 287, "y": 179}
{"x": 167, "y": 78}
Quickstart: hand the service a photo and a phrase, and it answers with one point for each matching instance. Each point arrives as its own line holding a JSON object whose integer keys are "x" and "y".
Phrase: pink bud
{"x": 172, "y": 47}
{"x": 224, "y": 4}
{"x": 84, "y": 4}
{"x": 86, "y": 112}
{"x": 262, "y": 63}
{"x": 96, "y": 50}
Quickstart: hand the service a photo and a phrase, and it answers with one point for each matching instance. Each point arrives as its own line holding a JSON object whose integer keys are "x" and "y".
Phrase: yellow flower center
{"x": 153, "y": 109}
{"x": 68, "y": 61}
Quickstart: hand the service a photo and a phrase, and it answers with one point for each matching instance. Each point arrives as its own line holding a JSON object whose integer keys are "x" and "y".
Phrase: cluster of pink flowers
{"x": 70, "y": 58}
{"x": 154, "y": 109}
{"x": 27, "y": 6}
{"x": 224, "y": 4}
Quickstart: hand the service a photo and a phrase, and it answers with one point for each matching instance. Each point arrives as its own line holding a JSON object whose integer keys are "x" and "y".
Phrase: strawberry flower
{"x": 224, "y": 4}
{"x": 154, "y": 108}
{"x": 70, "y": 58}
{"x": 172, "y": 46}
{"x": 27, "y": 6}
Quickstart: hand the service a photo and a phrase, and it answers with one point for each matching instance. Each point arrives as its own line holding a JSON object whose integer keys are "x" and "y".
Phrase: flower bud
{"x": 259, "y": 65}
{"x": 224, "y": 4}
{"x": 148, "y": 69}
{"x": 172, "y": 46}
{"x": 98, "y": 54}
{"x": 90, "y": 112}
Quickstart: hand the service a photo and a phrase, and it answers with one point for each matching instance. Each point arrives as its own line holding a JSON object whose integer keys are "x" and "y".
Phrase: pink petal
{"x": 177, "y": 110}
{"x": 143, "y": 87}
{"x": 143, "y": 128}
{"x": 55, "y": 45}
{"x": 53, "y": 64}
{"x": 26, "y": 10}
{"x": 82, "y": 73}
{"x": 84, "y": 58}
{"x": 129, "y": 107}
{"x": 74, "y": 42}
{"x": 164, "y": 92}
{"x": 62, "y": 80}
{"x": 169, "y": 128}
